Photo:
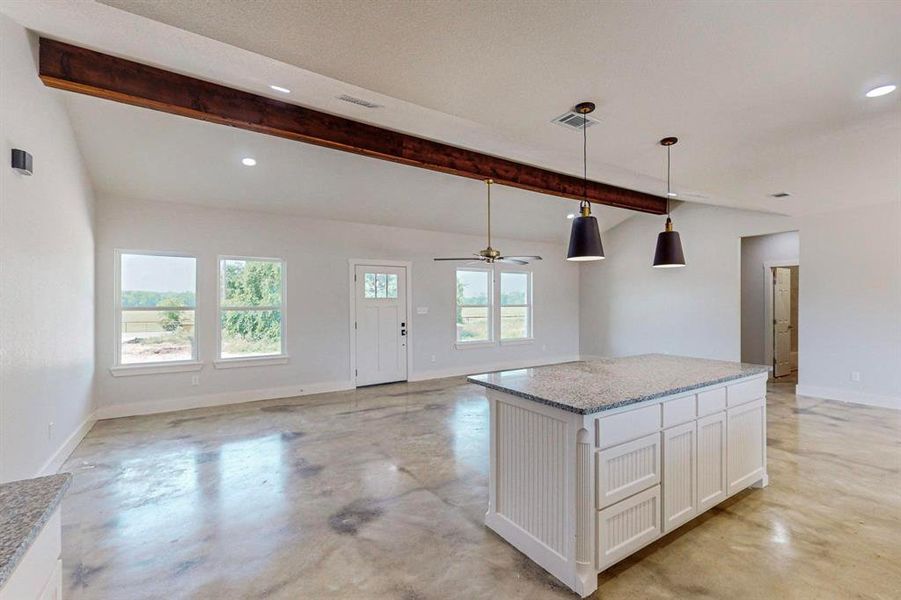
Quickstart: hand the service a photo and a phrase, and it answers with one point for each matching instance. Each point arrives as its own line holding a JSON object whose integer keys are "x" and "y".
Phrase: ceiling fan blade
{"x": 526, "y": 258}
{"x": 469, "y": 258}
{"x": 512, "y": 261}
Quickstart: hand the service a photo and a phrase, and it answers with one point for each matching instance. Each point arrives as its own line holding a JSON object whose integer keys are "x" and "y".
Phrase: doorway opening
{"x": 770, "y": 289}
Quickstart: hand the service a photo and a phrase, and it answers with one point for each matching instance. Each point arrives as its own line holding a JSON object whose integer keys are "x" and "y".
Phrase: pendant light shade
{"x": 585, "y": 236}
{"x": 668, "y": 254}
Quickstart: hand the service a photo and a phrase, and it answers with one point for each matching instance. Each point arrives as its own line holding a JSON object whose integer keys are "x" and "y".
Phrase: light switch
{"x": 422, "y": 310}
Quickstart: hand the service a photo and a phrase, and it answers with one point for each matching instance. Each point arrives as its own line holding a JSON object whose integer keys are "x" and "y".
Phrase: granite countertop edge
{"x": 619, "y": 404}
{"x": 62, "y": 481}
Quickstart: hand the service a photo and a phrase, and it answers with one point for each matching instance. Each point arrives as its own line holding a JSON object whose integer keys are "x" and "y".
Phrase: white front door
{"x": 381, "y": 324}
{"x": 782, "y": 338}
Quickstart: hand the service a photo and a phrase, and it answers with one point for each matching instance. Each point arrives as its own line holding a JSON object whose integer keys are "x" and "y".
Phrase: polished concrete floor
{"x": 380, "y": 493}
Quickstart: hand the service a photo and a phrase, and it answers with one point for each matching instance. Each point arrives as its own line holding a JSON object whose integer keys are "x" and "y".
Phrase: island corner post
{"x": 579, "y": 481}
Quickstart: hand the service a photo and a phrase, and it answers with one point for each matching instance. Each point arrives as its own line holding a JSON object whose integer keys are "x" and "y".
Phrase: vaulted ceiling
{"x": 765, "y": 97}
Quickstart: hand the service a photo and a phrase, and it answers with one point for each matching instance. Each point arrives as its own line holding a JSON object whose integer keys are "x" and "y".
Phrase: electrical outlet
{"x": 543, "y": 347}
{"x": 50, "y": 430}
{"x": 195, "y": 380}
{"x": 433, "y": 358}
{"x": 855, "y": 375}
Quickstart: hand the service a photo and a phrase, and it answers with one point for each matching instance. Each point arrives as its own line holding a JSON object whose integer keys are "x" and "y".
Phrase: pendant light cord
{"x": 584, "y": 163}
{"x": 489, "y": 182}
{"x": 667, "y": 182}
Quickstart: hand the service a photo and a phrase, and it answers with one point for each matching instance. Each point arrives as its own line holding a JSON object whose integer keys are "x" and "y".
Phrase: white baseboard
{"x": 207, "y": 400}
{"x": 854, "y": 396}
{"x": 497, "y": 366}
{"x": 62, "y": 453}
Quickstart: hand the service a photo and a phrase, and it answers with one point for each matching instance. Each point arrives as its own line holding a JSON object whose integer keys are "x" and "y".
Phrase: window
{"x": 516, "y": 305}
{"x": 379, "y": 285}
{"x": 474, "y": 306}
{"x": 251, "y": 297}
{"x": 156, "y": 305}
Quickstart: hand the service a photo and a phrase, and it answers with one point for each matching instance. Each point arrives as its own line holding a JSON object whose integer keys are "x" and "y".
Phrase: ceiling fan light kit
{"x": 585, "y": 235}
{"x": 668, "y": 253}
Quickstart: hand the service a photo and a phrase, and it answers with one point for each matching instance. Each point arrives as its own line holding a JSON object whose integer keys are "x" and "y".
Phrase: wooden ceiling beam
{"x": 84, "y": 71}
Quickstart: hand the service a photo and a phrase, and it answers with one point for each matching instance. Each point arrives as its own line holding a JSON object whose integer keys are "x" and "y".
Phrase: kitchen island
{"x": 593, "y": 460}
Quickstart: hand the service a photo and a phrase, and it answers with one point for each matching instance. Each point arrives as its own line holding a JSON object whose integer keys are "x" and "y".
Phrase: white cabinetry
{"x": 39, "y": 575}
{"x": 680, "y": 473}
{"x": 712, "y": 484}
{"x": 746, "y": 437}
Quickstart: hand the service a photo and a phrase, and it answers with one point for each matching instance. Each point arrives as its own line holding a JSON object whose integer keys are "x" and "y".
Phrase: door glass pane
{"x": 392, "y": 286}
{"x": 514, "y": 288}
{"x": 472, "y": 323}
{"x": 250, "y": 333}
{"x": 514, "y": 322}
{"x": 369, "y": 285}
{"x": 381, "y": 285}
{"x": 251, "y": 283}
{"x": 157, "y": 336}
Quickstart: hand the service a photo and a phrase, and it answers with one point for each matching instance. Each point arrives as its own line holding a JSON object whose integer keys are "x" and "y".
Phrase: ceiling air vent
{"x": 780, "y": 195}
{"x": 573, "y": 120}
{"x": 358, "y": 101}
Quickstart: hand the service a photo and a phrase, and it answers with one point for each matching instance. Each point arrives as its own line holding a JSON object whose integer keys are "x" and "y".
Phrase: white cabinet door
{"x": 746, "y": 439}
{"x": 680, "y": 468}
{"x": 627, "y": 469}
{"x": 712, "y": 484}
{"x": 628, "y": 526}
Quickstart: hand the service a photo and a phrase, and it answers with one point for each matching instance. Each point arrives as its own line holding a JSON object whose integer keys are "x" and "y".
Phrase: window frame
{"x": 491, "y": 341}
{"x": 282, "y": 357}
{"x": 530, "y": 322}
{"x": 169, "y": 366}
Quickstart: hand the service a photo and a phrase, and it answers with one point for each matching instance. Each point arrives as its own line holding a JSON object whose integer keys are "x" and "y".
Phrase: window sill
{"x": 471, "y": 345}
{"x": 251, "y": 361}
{"x": 517, "y": 342}
{"x": 155, "y": 368}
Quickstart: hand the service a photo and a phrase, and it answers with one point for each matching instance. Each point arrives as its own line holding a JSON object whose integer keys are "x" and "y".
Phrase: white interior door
{"x": 381, "y": 324}
{"x": 782, "y": 321}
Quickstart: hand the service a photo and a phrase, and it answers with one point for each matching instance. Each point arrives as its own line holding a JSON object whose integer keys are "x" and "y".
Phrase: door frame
{"x": 353, "y": 263}
{"x": 768, "y": 266}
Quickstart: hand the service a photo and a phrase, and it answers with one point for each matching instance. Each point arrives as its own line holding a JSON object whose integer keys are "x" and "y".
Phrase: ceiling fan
{"x": 492, "y": 255}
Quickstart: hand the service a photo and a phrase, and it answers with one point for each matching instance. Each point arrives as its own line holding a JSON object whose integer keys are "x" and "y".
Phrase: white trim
{"x": 490, "y": 367}
{"x": 207, "y": 400}
{"x": 472, "y": 345}
{"x": 517, "y": 341}
{"x": 282, "y": 309}
{"x": 251, "y": 361}
{"x": 62, "y": 453}
{"x": 852, "y": 396}
{"x": 117, "y": 303}
{"x": 352, "y": 264}
{"x": 768, "y": 307}
{"x": 180, "y": 366}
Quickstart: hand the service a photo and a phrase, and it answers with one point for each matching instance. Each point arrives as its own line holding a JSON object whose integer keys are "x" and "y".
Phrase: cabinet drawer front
{"x": 711, "y": 401}
{"x": 746, "y": 391}
{"x": 627, "y": 469}
{"x": 626, "y": 426}
{"x": 678, "y": 411}
{"x": 628, "y": 526}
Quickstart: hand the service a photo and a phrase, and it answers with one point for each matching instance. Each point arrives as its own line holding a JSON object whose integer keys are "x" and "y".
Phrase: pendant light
{"x": 669, "y": 244}
{"x": 585, "y": 237}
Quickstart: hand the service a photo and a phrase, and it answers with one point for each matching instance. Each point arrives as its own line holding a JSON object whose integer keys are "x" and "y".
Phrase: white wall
{"x": 628, "y": 307}
{"x": 46, "y": 271}
{"x": 317, "y": 254}
{"x": 755, "y": 251}
{"x": 850, "y": 305}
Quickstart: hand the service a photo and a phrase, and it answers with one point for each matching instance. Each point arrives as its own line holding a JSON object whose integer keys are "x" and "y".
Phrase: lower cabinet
{"x": 680, "y": 470}
{"x": 746, "y": 435}
{"x": 712, "y": 484}
{"x": 627, "y": 526}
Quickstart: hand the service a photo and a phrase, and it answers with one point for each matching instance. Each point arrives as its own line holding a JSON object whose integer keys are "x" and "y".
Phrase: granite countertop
{"x": 592, "y": 386}
{"x": 25, "y": 507}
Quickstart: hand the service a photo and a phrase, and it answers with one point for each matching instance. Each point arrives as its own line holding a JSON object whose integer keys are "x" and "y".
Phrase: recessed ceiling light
{"x": 281, "y": 89}
{"x": 882, "y": 90}
{"x": 571, "y": 216}
{"x": 248, "y": 162}
{"x": 672, "y": 194}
